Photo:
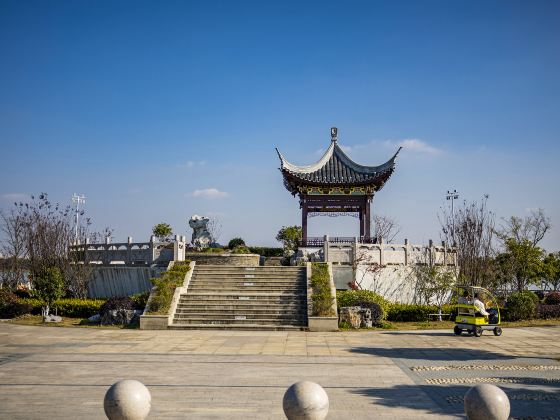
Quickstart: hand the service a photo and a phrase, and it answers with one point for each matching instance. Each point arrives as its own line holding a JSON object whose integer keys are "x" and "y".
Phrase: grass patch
{"x": 165, "y": 288}
{"x": 37, "y": 320}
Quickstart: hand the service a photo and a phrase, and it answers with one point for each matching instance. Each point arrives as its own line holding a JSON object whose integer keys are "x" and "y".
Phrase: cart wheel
{"x": 477, "y": 331}
{"x": 457, "y": 330}
{"x": 497, "y": 331}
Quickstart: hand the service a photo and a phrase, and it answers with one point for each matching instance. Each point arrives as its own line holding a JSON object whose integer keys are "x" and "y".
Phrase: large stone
{"x": 127, "y": 400}
{"x": 306, "y": 400}
{"x": 351, "y": 315}
{"x": 52, "y": 318}
{"x": 118, "y": 317}
{"x": 201, "y": 237}
{"x": 486, "y": 402}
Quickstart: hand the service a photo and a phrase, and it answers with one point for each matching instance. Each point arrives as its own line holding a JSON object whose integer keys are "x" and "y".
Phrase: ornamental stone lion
{"x": 201, "y": 237}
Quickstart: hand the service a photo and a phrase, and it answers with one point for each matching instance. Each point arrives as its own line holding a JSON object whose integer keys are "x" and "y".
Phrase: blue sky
{"x": 160, "y": 110}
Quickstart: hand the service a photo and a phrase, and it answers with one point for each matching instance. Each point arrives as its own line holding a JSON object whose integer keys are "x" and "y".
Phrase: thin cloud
{"x": 15, "y": 197}
{"x": 191, "y": 164}
{"x": 210, "y": 193}
{"x": 414, "y": 145}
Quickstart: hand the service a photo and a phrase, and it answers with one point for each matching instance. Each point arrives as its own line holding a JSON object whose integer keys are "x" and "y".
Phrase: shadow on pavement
{"x": 432, "y": 353}
{"x": 525, "y": 403}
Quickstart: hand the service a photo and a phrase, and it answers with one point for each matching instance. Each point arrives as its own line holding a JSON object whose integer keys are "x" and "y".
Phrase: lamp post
{"x": 452, "y": 195}
{"x": 78, "y": 199}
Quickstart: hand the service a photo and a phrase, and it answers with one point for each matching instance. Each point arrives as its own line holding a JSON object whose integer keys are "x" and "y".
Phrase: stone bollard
{"x": 127, "y": 400}
{"x": 306, "y": 400}
{"x": 486, "y": 402}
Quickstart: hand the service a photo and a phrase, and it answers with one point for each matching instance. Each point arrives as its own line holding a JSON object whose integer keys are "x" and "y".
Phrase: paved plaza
{"x": 63, "y": 373}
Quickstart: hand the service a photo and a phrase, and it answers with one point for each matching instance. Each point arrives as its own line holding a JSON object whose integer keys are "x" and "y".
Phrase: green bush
{"x": 552, "y": 298}
{"x": 235, "y": 242}
{"x": 521, "y": 305}
{"x": 73, "y": 308}
{"x": 11, "y": 306}
{"x": 267, "y": 251}
{"x": 140, "y": 300}
{"x": 165, "y": 288}
{"x": 403, "y": 312}
{"x": 548, "y": 311}
{"x": 322, "y": 296}
{"x": 353, "y": 297}
{"x": 240, "y": 250}
{"x": 213, "y": 250}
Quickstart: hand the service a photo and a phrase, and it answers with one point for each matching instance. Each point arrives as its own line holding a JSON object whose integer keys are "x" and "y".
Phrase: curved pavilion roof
{"x": 335, "y": 169}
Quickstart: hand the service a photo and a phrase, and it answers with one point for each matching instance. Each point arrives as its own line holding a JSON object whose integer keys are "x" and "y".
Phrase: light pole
{"x": 452, "y": 195}
{"x": 78, "y": 199}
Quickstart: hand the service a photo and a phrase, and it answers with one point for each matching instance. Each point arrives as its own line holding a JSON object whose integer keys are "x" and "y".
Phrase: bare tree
{"x": 40, "y": 233}
{"x": 215, "y": 229}
{"x": 385, "y": 227}
{"x": 471, "y": 230}
{"x": 12, "y": 249}
{"x": 531, "y": 228}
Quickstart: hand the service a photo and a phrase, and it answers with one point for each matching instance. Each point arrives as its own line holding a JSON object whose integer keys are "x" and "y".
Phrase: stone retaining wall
{"x": 240, "y": 260}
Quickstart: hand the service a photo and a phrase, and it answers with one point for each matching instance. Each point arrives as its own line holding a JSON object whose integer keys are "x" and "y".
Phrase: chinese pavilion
{"x": 336, "y": 184}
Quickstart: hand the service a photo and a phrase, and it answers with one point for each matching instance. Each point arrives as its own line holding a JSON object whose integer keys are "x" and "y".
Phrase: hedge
{"x": 267, "y": 251}
{"x": 401, "y": 312}
{"x": 552, "y": 298}
{"x": 322, "y": 296}
{"x": 73, "y": 308}
{"x": 548, "y": 311}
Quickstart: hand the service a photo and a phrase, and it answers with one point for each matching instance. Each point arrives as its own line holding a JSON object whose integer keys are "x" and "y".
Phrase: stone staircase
{"x": 229, "y": 297}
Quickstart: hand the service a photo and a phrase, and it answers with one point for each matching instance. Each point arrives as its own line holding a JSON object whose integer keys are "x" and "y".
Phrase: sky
{"x": 157, "y": 111}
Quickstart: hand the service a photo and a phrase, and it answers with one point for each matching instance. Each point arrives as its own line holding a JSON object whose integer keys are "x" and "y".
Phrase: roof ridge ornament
{"x": 334, "y": 134}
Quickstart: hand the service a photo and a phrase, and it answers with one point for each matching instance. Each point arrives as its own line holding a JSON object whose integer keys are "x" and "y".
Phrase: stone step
{"x": 227, "y": 306}
{"x": 228, "y": 280}
{"x": 232, "y": 320}
{"x": 252, "y": 288}
{"x": 248, "y": 268}
{"x": 238, "y": 327}
{"x": 240, "y": 310}
{"x": 244, "y": 296}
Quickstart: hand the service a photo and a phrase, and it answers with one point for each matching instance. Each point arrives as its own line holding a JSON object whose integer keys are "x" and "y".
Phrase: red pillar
{"x": 304, "y": 221}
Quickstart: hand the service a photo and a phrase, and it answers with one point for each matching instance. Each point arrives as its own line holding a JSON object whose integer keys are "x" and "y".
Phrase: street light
{"x": 452, "y": 195}
{"x": 78, "y": 199}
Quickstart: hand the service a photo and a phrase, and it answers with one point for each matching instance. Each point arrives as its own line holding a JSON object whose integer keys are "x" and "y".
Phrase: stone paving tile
{"x": 64, "y": 372}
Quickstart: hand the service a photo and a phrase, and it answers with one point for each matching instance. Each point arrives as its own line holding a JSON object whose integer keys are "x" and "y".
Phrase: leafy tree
{"x": 235, "y": 242}
{"x": 551, "y": 271}
{"x": 48, "y": 286}
{"x": 520, "y": 265}
{"x": 433, "y": 282}
{"x": 162, "y": 231}
{"x": 290, "y": 237}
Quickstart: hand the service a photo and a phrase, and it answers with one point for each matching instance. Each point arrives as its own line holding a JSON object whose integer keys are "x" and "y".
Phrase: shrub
{"x": 267, "y": 251}
{"x": 548, "y": 311}
{"x": 165, "y": 288}
{"x": 353, "y": 297}
{"x": 140, "y": 300}
{"x": 235, "y": 242}
{"x": 377, "y": 313}
{"x": 48, "y": 286}
{"x": 240, "y": 250}
{"x": 322, "y": 296}
{"x": 11, "y": 306}
{"x": 553, "y": 298}
{"x": 521, "y": 305}
{"x": 117, "y": 303}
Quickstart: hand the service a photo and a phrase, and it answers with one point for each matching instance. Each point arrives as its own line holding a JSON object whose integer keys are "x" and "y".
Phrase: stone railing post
{"x": 326, "y": 248}
{"x": 406, "y": 252}
{"x": 381, "y": 251}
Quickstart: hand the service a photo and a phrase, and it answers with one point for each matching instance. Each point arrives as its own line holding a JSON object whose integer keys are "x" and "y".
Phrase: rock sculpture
{"x": 201, "y": 237}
